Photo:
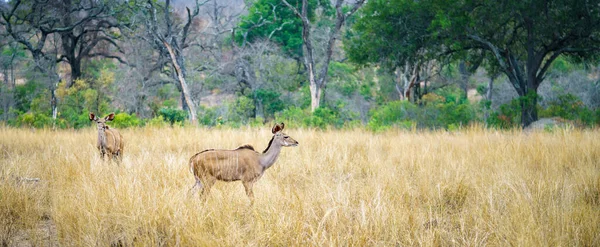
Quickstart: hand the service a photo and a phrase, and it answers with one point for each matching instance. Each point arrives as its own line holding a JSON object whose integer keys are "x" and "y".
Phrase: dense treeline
{"x": 380, "y": 64}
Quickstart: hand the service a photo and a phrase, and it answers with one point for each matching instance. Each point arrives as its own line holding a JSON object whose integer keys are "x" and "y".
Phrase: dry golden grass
{"x": 474, "y": 187}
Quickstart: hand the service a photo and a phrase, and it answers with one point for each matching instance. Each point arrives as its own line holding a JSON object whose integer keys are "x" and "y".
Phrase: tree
{"x": 523, "y": 37}
{"x": 274, "y": 21}
{"x": 81, "y": 25}
{"x": 75, "y": 28}
{"x": 26, "y": 29}
{"x": 396, "y": 36}
{"x": 318, "y": 80}
{"x": 88, "y": 29}
{"x": 171, "y": 38}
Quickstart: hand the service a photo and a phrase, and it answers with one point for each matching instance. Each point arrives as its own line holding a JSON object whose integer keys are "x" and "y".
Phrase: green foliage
{"x": 322, "y": 118}
{"x": 241, "y": 110}
{"x": 35, "y": 120}
{"x": 157, "y": 122}
{"x": 343, "y": 78}
{"x": 274, "y": 20}
{"x": 395, "y": 113}
{"x": 24, "y": 94}
{"x": 77, "y": 101}
{"x": 569, "y": 106}
{"x": 269, "y": 100}
{"x": 209, "y": 117}
{"x": 443, "y": 110}
{"x": 390, "y": 33}
{"x": 124, "y": 120}
{"x": 173, "y": 116}
{"x": 562, "y": 65}
{"x": 507, "y": 116}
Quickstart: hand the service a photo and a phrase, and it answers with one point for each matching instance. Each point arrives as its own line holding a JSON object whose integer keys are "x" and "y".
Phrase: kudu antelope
{"x": 243, "y": 163}
{"x": 110, "y": 141}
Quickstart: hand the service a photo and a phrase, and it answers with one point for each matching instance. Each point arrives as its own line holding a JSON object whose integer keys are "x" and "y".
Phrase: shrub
{"x": 446, "y": 110}
{"x": 322, "y": 118}
{"x": 157, "y": 122}
{"x": 35, "y": 120}
{"x": 209, "y": 117}
{"x": 269, "y": 101}
{"x": 569, "y": 106}
{"x": 241, "y": 110}
{"x": 124, "y": 120}
{"x": 172, "y": 115}
{"x": 396, "y": 113}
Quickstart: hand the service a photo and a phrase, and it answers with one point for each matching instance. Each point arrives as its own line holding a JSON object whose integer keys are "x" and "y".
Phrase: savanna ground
{"x": 472, "y": 187}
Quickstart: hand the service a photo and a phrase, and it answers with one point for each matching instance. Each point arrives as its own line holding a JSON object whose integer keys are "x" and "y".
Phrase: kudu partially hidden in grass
{"x": 243, "y": 163}
{"x": 110, "y": 141}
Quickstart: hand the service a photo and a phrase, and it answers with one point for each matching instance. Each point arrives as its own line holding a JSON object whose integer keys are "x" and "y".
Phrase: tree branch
{"x": 105, "y": 55}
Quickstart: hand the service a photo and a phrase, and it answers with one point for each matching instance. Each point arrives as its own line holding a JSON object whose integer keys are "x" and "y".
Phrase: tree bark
{"x": 184, "y": 87}
{"x": 464, "y": 78}
{"x": 488, "y": 97}
{"x": 318, "y": 81}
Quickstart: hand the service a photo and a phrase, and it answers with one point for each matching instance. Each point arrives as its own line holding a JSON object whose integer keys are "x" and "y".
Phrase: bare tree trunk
{"x": 488, "y": 93}
{"x": 412, "y": 90}
{"x": 317, "y": 81}
{"x": 315, "y": 90}
{"x": 54, "y": 102}
{"x": 402, "y": 81}
{"x": 184, "y": 87}
{"x": 488, "y": 97}
{"x": 464, "y": 78}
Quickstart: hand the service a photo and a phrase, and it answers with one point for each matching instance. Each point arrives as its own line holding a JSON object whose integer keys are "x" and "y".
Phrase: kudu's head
{"x": 101, "y": 122}
{"x": 281, "y": 138}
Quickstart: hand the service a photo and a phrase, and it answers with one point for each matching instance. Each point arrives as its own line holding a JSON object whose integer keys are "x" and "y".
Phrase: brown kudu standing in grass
{"x": 110, "y": 141}
{"x": 243, "y": 163}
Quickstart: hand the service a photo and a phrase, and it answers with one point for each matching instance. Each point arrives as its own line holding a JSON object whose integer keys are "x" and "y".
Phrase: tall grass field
{"x": 471, "y": 187}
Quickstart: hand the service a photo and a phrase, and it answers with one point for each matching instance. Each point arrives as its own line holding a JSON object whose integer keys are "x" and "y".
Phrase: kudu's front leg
{"x": 102, "y": 155}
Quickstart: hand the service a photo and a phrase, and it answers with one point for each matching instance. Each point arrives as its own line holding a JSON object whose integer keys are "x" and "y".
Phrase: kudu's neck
{"x": 101, "y": 138}
{"x": 269, "y": 156}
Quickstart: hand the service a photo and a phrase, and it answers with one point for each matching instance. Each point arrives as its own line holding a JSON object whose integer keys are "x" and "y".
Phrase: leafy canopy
{"x": 271, "y": 19}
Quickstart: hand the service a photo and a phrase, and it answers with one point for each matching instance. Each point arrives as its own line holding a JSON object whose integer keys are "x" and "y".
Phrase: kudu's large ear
{"x": 277, "y": 128}
{"x": 110, "y": 117}
{"x": 92, "y": 116}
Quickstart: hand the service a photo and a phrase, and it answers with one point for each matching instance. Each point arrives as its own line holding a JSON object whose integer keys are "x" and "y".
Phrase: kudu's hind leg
{"x": 248, "y": 186}
{"x": 197, "y": 185}
{"x": 204, "y": 184}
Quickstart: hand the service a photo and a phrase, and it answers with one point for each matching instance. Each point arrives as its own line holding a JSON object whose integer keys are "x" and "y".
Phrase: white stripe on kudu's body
{"x": 110, "y": 141}
{"x": 243, "y": 163}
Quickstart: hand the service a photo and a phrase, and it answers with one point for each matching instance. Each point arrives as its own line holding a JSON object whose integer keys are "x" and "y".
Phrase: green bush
{"x": 293, "y": 115}
{"x": 157, "y": 122}
{"x": 569, "y": 106}
{"x": 241, "y": 110}
{"x": 447, "y": 110}
{"x": 322, "y": 118}
{"x": 124, "y": 120}
{"x": 209, "y": 117}
{"x": 172, "y": 115}
{"x": 270, "y": 101}
{"x": 35, "y": 120}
